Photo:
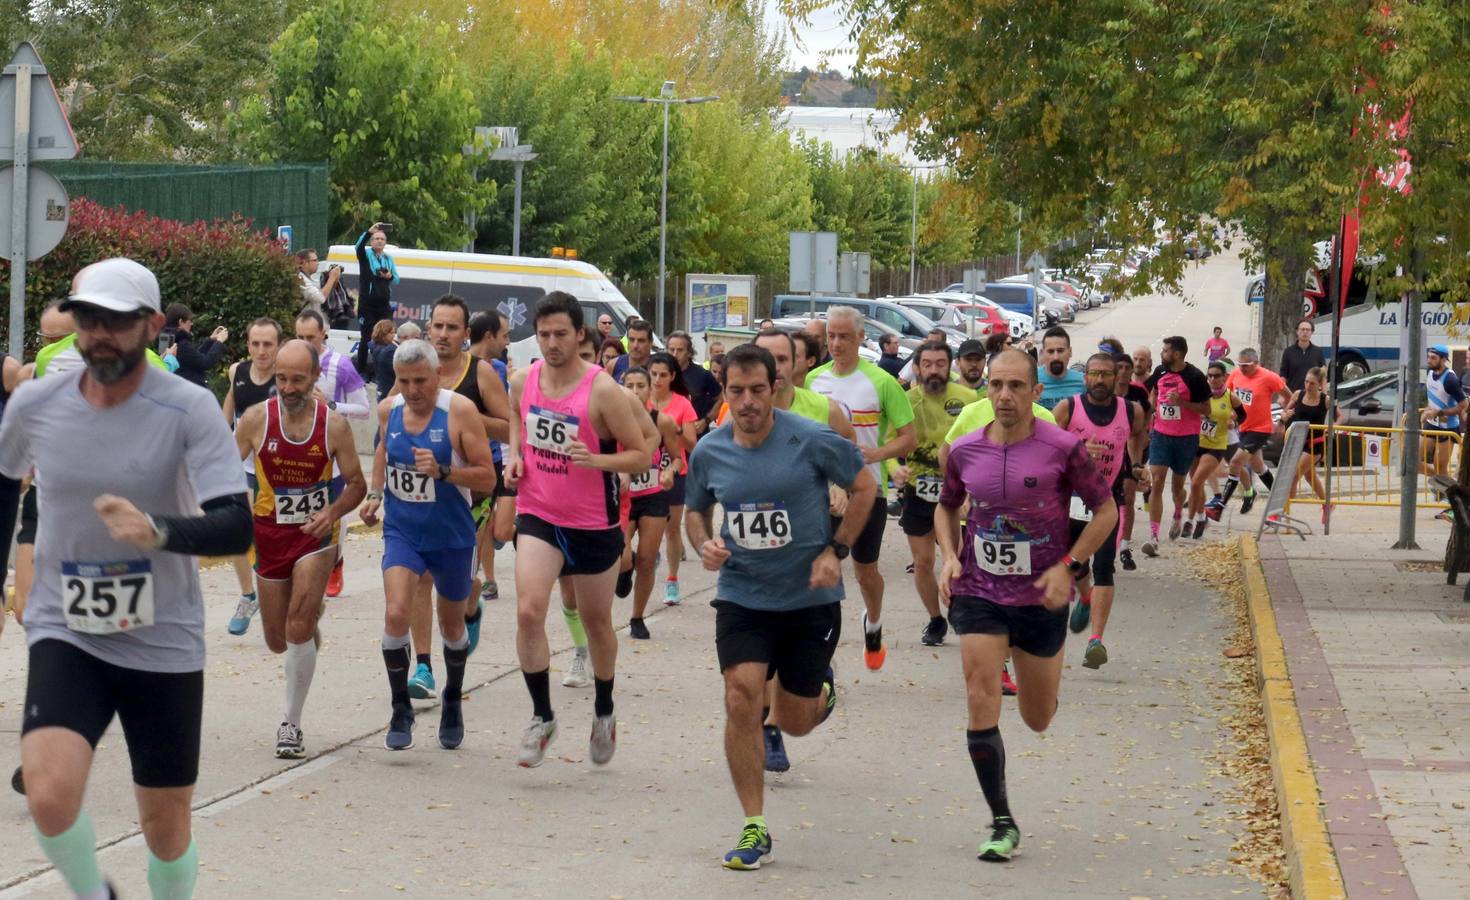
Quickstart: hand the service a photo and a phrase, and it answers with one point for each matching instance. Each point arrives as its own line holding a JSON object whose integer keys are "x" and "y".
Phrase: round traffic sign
{"x": 49, "y": 212}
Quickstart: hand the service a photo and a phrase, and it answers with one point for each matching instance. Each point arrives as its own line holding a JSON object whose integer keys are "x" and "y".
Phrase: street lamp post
{"x": 508, "y": 149}
{"x": 666, "y": 98}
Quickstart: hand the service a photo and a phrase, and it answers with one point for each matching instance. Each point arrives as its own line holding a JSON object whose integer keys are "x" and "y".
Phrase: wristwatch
{"x": 1078, "y": 567}
{"x": 840, "y": 549}
{"x": 331, "y": 404}
{"x": 160, "y": 533}
{"x": 443, "y": 472}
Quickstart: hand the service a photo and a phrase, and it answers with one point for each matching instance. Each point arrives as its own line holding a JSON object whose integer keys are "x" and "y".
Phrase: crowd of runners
{"x": 1015, "y": 477}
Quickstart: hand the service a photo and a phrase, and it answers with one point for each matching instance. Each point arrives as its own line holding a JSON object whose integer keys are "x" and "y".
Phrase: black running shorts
{"x": 1032, "y": 629}
{"x": 870, "y": 540}
{"x": 583, "y": 551}
{"x": 649, "y": 506}
{"x": 1104, "y": 561}
{"x": 917, "y": 518}
{"x": 161, "y": 712}
{"x": 796, "y": 645}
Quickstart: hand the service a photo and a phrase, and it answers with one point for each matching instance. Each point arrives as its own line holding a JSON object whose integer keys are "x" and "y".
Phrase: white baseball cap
{"x": 118, "y": 284}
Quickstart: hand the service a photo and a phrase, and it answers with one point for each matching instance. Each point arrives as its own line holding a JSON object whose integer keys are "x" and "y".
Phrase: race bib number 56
{"x": 549, "y": 430}
{"x": 105, "y": 598}
{"x": 759, "y": 526}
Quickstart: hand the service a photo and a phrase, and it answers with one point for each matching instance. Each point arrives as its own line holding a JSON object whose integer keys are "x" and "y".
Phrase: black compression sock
{"x": 602, "y": 705}
{"x": 425, "y": 659}
{"x": 1266, "y": 478}
{"x": 1231, "y": 484}
{"x": 396, "y": 662}
{"x": 454, "y": 662}
{"x": 539, "y": 684}
{"x": 470, "y": 620}
{"x": 988, "y": 754}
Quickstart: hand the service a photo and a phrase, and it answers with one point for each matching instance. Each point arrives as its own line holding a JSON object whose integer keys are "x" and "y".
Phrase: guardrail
{"x": 1367, "y": 466}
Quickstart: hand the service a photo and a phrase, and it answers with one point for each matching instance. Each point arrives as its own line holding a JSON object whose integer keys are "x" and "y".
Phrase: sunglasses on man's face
{"x": 91, "y": 318}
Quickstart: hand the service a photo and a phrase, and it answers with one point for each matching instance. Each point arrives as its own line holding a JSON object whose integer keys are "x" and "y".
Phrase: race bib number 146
{"x": 759, "y": 526}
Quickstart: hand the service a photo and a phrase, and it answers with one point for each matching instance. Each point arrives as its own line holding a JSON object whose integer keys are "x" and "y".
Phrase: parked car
{"x": 1021, "y": 298}
{"x": 1065, "y": 309}
{"x": 1367, "y": 402}
{"x": 1018, "y": 324}
{"x": 907, "y": 323}
{"x": 872, "y": 332}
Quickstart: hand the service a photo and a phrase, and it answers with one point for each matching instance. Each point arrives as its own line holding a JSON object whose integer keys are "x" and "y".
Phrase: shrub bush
{"x": 226, "y": 272}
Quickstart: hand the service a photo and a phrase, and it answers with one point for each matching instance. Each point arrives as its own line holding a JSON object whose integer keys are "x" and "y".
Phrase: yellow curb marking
{"x": 1311, "y": 862}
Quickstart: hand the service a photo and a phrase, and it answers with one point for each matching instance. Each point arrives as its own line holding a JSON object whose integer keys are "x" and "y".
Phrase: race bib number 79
{"x": 759, "y": 526}
{"x": 106, "y": 598}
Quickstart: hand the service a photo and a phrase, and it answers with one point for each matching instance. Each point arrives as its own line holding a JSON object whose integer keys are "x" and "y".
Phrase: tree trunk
{"x": 1282, "y": 307}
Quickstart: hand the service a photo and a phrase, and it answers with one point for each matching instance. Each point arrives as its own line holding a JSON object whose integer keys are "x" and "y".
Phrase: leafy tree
{"x": 388, "y": 107}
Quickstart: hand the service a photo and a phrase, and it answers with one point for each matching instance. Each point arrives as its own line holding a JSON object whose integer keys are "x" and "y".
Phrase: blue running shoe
{"x": 421, "y": 685}
{"x": 755, "y": 842}
{"x": 472, "y": 628}
{"x": 776, "y": 758}
{"x": 244, "y": 611}
{"x": 400, "y": 729}
{"x": 451, "y": 725}
{"x": 671, "y": 592}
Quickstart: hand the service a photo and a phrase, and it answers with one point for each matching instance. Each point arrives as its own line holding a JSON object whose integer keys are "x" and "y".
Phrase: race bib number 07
{"x": 1003, "y": 557}
{"x": 759, "y": 526}
{"x": 1208, "y": 428}
{"x": 926, "y": 488}
{"x": 549, "y": 430}
{"x": 410, "y": 485}
{"x": 294, "y": 506}
{"x": 106, "y": 598}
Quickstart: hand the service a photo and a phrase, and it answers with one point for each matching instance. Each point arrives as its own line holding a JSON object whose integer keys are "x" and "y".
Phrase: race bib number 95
{"x": 410, "y": 485}
{"x": 759, "y": 526}
{"x": 294, "y": 506}
{"x": 105, "y": 598}
{"x": 1003, "y": 557}
{"x": 550, "y": 430}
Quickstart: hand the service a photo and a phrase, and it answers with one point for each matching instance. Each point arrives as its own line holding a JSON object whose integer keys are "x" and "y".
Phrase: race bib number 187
{"x": 410, "y": 485}
{"x": 759, "y": 526}
{"x": 106, "y": 598}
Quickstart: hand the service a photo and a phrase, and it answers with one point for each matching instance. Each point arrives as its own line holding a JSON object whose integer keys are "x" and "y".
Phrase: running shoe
{"x": 1247, "y": 500}
{"x": 1174, "y": 528}
{"x": 604, "y": 739}
{"x": 18, "y": 782}
{"x": 754, "y": 843}
{"x": 576, "y": 676}
{"x": 1081, "y": 613}
{"x": 873, "y": 652}
{"x": 1199, "y": 528}
{"x": 637, "y": 630}
{"x": 400, "y": 728}
{"x": 451, "y": 725}
{"x": 334, "y": 581}
{"x": 831, "y": 683}
{"x": 624, "y": 587}
{"x": 1214, "y": 508}
{"x": 1005, "y": 840}
{"x": 1126, "y": 558}
{"x": 776, "y": 758}
{"x": 421, "y": 684}
{"x": 472, "y": 629}
{"x": 1151, "y": 547}
{"x": 534, "y": 741}
{"x": 1095, "y": 655}
{"x": 934, "y": 632}
{"x": 290, "y": 742}
{"x": 244, "y": 611}
{"x": 671, "y": 592}
{"x": 1007, "y": 684}
{"x": 489, "y": 591}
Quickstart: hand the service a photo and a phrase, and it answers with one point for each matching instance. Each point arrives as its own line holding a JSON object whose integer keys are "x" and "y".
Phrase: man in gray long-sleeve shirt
{"x": 1301, "y": 357}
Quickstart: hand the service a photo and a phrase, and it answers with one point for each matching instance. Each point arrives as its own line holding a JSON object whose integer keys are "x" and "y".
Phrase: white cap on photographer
{"x": 118, "y": 284}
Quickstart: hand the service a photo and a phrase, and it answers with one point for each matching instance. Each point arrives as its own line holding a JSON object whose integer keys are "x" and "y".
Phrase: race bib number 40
{"x": 410, "y": 485}
{"x": 549, "y": 430}
{"x": 294, "y": 506}
{"x": 926, "y": 488}
{"x": 643, "y": 481}
{"x": 759, "y": 526}
{"x": 1003, "y": 557}
{"x": 106, "y": 598}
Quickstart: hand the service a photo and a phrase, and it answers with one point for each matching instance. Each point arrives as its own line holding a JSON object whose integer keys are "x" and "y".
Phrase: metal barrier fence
{"x": 1367, "y": 466}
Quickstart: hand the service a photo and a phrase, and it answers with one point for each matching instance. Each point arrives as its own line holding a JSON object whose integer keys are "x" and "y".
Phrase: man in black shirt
{"x": 196, "y": 358}
{"x": 704, "y": 390}
{"x": 1301, "y": 357}
{"x": 376, "y": 275}
{"x": 889, "y": 361}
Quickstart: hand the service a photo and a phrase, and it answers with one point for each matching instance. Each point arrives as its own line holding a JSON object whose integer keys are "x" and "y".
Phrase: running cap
{"x": 117, "y": 284}
{"x": 1440, "y": 350}
{"x": 970, "y": 348}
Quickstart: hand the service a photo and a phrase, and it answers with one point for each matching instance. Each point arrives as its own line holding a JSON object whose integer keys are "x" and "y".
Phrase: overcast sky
{"x": 825, "y": 33}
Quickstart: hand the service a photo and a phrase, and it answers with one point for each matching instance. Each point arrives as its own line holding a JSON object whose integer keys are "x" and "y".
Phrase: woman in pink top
{"x": 671, "y": 397}
{"x": 1216, "y": 347}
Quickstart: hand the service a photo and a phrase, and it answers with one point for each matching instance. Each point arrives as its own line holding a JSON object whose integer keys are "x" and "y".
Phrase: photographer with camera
{"x": 376, "y": 275}
{"x": 306, "y": 267}
{"x": 195, "y": 358}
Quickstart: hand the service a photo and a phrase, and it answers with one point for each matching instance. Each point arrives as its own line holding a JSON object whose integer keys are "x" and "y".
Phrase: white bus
{"x": 510, "y": 285}
{"x": 1372, "y": 333}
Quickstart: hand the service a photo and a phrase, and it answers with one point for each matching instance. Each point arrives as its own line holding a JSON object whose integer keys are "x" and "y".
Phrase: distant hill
{"x": 806, "y": 87}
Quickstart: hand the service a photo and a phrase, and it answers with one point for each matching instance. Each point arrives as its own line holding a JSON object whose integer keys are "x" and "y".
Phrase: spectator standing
{"x": 1216, "y": 348}
{"x": 314, "y": 296}
{"x": 382, "y": 355}
{"x": 195, "y": 358}
{"x": 1301, "y": 357}
{"x": 704, "y": 391}
{"x": 376, "y": 275}
{"x": 890, "y": 361}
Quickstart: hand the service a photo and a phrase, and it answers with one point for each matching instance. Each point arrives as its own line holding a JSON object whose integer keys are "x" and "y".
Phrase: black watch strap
{"x": 840, "y": 549}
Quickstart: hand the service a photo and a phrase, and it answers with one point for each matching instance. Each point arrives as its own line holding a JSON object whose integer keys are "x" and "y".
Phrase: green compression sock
{"x": 574, "y": 625}
{"x": 756, "y": 820}
{"x": 174, "y": 880}
{"x": 74, "y": 854}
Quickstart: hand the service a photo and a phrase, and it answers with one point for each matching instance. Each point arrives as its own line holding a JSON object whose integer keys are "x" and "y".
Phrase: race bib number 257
{"x": 106, "y": 598}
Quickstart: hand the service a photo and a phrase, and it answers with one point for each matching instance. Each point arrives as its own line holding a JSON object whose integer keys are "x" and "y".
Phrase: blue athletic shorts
{"x": 1175, "y": 451}
{"x": 453, "y": 570}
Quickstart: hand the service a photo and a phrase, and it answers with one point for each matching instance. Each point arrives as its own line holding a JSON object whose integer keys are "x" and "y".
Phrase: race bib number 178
{"x": 106, "y": 598}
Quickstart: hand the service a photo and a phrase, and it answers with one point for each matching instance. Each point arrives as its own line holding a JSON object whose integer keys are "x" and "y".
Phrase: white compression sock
{"x": 300, "y": 668}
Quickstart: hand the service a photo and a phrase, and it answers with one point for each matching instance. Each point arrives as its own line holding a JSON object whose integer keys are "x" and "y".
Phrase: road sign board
{"x": 813, "y": 262}
{"x": 49, "y": 212}
{"x": 51, "y": 135}
{"x": 284, "y": 234}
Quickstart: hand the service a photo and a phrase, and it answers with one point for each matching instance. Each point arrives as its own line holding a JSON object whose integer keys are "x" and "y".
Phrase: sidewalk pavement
{"x": 1121, "y": 798}
{"x": 1378, "y": 647}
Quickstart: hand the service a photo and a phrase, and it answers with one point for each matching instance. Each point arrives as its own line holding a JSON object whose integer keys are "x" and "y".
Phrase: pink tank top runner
{"x": 1113, "y": 436}
{"x": 551, "y": 488}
